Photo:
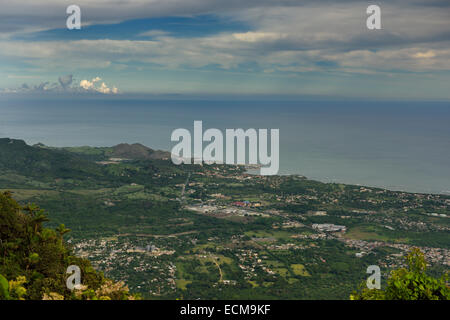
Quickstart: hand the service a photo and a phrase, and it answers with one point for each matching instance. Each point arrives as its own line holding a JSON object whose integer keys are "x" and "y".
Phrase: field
{"x": 132, "y": 221}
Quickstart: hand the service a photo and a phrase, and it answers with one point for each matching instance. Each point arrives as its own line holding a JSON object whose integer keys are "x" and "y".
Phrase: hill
{"x": 35, "y": 260}
{"x": 138, "y": 151}
{"x": 135, "y": 151}
{"x": 34, "y": 161}
{"x": 212, "y": 231}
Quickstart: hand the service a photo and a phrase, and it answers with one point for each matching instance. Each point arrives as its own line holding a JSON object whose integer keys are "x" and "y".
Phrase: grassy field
{"x": 181, "y": 283}
{"x": 300, "y": 270}
{"x": 373, "y": 233}
{"x": 281, "y": 235}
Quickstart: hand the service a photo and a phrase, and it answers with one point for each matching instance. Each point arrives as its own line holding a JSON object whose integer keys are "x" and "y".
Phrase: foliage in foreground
{"x": 411, "y": 283}
{"x": 35, "y": 260}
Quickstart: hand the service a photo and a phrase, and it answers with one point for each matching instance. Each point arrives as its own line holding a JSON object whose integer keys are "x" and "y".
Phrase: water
{"x": 396, "y": 145}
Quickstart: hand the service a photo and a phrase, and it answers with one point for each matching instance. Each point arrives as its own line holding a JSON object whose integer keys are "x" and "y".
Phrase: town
{"x": 209, "y": 231}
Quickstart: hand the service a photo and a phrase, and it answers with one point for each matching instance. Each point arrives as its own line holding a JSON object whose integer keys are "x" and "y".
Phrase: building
{"x": 329, "y": 227}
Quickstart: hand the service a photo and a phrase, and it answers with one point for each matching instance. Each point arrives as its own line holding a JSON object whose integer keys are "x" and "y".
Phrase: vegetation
{"x": 35, "y": 259}
{"x": 119, "y": 201}
{"x": 411, "y": 283}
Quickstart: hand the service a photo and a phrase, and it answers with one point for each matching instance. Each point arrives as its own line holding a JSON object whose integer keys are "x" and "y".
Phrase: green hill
{"x": 34, "y": 259}
{"x": 138, "y": 151}
{"x": 35, "y": 161}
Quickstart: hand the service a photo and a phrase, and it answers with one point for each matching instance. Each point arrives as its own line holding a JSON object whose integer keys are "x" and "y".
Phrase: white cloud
{"x": 285, "y": 37}
{"x": 154, "y": 33}
{"x": 103, "y": 88}
{"x": 408, "y": 59}
{"x": 86, "y": 84}
{"x": 228, "y": 51}
{"x": 65, "y": 84}
{"x": 295, "y": 34}
{"x": 259, "y": 36}
{"x": 425, "y": 55}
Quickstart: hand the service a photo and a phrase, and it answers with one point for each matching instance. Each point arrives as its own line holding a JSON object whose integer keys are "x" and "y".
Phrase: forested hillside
{"x": 34, "y": 259}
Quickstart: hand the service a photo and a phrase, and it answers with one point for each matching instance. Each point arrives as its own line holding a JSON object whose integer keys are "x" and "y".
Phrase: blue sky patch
{"x": 180, "y": 27}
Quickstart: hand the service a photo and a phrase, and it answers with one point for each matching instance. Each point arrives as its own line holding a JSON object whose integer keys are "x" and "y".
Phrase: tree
{"x": 35, "y": 259}
{"x": 411, "y": 283}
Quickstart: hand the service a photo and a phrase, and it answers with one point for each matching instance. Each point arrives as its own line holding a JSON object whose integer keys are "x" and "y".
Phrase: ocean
{"x": 394, "y": 145}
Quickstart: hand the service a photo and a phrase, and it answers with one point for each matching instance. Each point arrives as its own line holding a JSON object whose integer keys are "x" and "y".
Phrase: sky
{"x": 230, "y": 47}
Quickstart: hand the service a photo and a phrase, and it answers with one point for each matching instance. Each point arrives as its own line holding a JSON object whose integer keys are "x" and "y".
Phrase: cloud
{"x": 28, "y": 15}
{"x": 106, "y": 90}
{"x": 424, "y": 55}
{"x": 281, "y": 34}
{"x": 86, "y": 84}
{"x": 64, "y": 85}
{"x": 103, "y": 88}
{"x": 285, "y": 38}
{"x": 259, "y": 36}
{"x": 230, "y": 51}
{"x": 65, "y": 81}
{"x": 154, "y": 33}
